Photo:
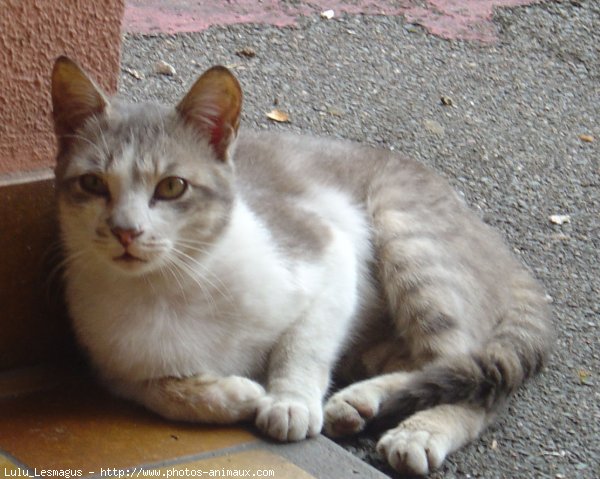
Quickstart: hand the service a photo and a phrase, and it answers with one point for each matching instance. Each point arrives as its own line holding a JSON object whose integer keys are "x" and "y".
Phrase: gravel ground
{"x": 510, "y": 141}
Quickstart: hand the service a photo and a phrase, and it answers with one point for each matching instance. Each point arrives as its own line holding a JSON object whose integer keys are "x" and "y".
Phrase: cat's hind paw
{"x": 348, "y": 411}
{"x": 287, "y": 419}
{"x": 415, "y": 452}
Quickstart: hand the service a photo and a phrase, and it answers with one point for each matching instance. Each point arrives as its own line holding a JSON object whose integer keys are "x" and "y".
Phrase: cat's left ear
{"x": 213, "y": 107}
{"x": 75, "y": 98}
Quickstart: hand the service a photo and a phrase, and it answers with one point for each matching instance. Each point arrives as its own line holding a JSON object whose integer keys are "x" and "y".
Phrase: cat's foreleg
{"x": 420, "y": 443}
{"x": 202, "y": 398}
{"x": 301, "y": 361}
{"x": 300, "y": 368}
{"x": 298, "y": 378}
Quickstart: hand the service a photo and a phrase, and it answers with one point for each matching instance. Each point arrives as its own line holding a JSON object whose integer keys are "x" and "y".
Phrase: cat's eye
{"x": 93, "y": 184}
{"x": 170, "y": 188}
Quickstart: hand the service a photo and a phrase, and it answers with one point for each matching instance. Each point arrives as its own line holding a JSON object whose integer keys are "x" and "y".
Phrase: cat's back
{"x": 277, "y": 167}
{"x": 291, "y": 164}
{"x": 301, "y": 185}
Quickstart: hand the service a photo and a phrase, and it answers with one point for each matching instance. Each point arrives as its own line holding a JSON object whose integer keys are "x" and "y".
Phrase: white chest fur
{"x": 140, "y": 328}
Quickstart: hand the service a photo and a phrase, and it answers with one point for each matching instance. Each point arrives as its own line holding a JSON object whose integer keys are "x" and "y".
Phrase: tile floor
{"x": 56, "y": 422}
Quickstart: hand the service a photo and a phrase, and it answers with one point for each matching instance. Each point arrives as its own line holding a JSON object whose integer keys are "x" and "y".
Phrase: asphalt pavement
{"x": 514, "y": 124}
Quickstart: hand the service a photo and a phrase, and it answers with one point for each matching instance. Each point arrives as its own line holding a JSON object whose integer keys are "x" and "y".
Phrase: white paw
{"x": 348, "y": 411}
{"x": 413, "y": 451}
{"x": 238, "y": 395}
{"x": 287, "y": 419}
{"x": 228, "y": 399}
{"x": 204, "y": 398}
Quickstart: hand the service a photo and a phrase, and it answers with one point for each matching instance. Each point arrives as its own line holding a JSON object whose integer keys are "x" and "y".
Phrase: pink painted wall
{"x": 32, "y": 34}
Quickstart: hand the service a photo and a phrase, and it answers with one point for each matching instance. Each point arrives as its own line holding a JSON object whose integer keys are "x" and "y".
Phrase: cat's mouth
{"x": 129, "y": 258}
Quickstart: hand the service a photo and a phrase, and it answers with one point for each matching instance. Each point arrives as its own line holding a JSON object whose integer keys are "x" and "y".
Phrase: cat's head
{"x": 143, "y": 187}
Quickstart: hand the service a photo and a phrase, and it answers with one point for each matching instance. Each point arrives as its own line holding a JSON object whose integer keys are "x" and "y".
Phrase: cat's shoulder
{"x": 327, "y": 160}
{"x": 295, "y": 143}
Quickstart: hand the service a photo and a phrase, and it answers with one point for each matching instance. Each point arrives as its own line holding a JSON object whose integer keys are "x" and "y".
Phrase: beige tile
{"x": 79, "y": 426}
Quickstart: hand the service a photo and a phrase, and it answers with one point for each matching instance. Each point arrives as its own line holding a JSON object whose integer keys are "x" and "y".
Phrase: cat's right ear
{"x": 75, "y": 98}
{"x": 212, "y": 107}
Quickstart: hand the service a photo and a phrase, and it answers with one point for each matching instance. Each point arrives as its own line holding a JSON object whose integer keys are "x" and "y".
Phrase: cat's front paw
{"x": 413, "y": 451}
{"x": 348, "y": 411}
{"x": 236, "y": 396}
{"x": 207, "y": 399}
{"x": 289, "y": 419}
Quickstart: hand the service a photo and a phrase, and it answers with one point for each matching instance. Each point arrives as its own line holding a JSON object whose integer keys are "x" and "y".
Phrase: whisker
{"x": 177, "y": 278}
{"x": 60, "y": 266}
{"x": 188, "y": 242}
{"x": 197, "y": 276}
{"x": 226, "y": 293}
{"x": 194, "y": 240}
{"x": 52, "y": 281}
{"x": 194, "y": 248}
{"x": 192, "y": 274}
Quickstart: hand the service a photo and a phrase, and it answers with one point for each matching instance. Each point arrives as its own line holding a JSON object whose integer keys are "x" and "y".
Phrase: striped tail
{"x": 518, "y": 350}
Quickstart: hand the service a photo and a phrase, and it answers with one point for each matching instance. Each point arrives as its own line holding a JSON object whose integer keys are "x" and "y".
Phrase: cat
{"x": 215, "y": 275}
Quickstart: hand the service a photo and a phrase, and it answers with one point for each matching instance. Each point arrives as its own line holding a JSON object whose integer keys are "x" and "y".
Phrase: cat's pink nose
{"x": 125, "y": 236}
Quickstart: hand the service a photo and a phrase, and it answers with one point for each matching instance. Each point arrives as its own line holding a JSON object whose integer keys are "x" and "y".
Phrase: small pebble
{"x": 247, "y": 52}
{"x": 559, "y": 219}
{"x": 163, "y": 68}
{"x": 446, "y": 101}
{"x": 327, "y": 14}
